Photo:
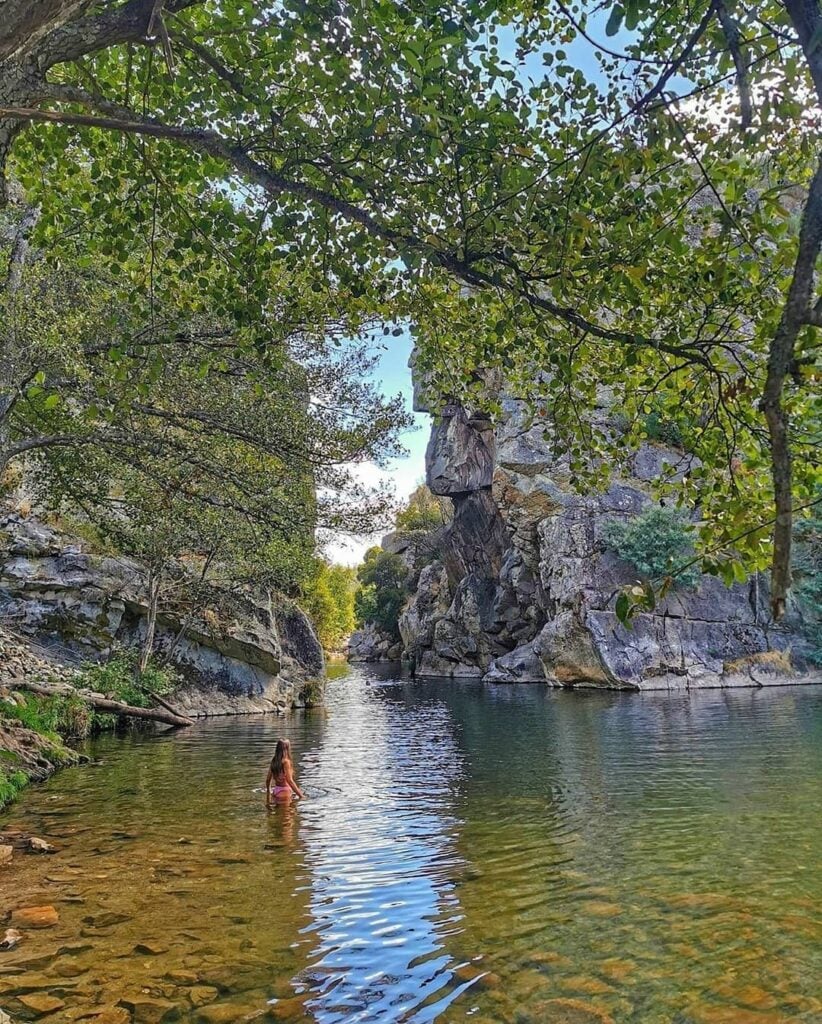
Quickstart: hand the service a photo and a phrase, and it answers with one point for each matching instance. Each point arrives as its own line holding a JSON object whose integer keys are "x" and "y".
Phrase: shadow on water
{"x": 507, "y": 854}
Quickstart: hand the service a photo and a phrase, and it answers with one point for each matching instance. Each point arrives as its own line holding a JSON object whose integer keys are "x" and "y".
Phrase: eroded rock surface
{"x": 524, "y": 585}
{"x": 240, "y": 653}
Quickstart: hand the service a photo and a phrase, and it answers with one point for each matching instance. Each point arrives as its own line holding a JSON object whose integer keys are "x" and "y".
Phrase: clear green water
{"x": 509, "y": 854}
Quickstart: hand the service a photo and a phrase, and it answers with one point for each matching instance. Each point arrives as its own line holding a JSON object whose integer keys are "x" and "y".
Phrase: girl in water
{"x": 279, "y": 782}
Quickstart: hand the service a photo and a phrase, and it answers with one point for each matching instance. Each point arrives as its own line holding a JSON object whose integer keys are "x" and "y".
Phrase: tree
{"x": 209, "y": 460}
{"x": 658, "y": 544}
{"x": 383, "y": 576}
{"x": 423, "y": 512}
{"x": 401, "y": 141}
{"x": 328, "y": 597}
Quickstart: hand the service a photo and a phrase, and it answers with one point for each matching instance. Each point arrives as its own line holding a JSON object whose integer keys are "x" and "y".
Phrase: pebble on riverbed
{"x": 35, "y": 917}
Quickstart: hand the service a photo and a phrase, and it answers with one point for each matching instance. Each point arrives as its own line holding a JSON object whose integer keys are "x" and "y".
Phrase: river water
{"x": 510, "y": 854}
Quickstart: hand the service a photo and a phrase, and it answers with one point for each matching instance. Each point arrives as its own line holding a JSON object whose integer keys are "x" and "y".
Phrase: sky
{"x": 393, "y": 376}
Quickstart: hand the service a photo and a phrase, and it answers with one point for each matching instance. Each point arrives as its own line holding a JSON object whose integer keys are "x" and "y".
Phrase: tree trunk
{"x": 154, "y": 579}
{"x": 26, "y": 21}
{"x": 103, "y": 703}
{"x": 798, "y": 313}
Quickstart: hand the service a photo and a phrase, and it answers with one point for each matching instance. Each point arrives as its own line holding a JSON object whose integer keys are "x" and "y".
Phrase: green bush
{"x": 423, "y": 512}
{"x": 655, "y": 543}
{"x": 54, "y": 717}
{"x": 118, "y": 678}
{"x": 10, "y": 785}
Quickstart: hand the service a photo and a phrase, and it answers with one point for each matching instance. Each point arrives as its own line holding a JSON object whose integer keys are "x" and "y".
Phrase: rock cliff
{"x": 524, "y": 585}
{"x": 238, "y": 654}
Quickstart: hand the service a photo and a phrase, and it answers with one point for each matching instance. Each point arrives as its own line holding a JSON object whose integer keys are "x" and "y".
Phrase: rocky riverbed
{"x": 610, "y": 858}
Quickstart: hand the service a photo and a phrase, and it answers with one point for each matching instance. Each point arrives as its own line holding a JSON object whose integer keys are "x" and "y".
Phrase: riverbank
{"x": 30, "y": 751}
{"x": 38, "y": 729}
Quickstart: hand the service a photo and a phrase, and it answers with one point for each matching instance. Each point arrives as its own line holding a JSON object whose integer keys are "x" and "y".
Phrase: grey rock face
{"x": 239, "y": 647}
{"x": 460, "y": 454}
{"x": 371, "y": 644}
{"x": 524, "y": 586}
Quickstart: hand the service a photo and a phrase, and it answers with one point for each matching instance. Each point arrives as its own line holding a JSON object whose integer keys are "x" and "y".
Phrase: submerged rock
{"x": 37, "y": 845}
{"x": 10, "y": 939}
{"x": 35, "y": 917}
{"x": 40, "y": 1003}
{"x": 148, "y": 1010}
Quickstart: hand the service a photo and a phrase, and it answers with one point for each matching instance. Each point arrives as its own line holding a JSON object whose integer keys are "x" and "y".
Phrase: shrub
{"x": 655, "y": 543}
{"x": 10, "y": 785}
{"x": 118, "y": 678}
{"x": 423, "y": 513}
{"x": 54, "y": 717}
{"x": 660, "y": 428}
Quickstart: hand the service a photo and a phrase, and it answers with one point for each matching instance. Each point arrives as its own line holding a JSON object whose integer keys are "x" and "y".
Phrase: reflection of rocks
{"x": 251, "y": 649}
{"x": 523, "y": 586}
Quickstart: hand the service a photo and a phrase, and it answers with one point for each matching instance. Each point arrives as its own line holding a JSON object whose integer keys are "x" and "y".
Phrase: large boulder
{"x": 372, "y": 644}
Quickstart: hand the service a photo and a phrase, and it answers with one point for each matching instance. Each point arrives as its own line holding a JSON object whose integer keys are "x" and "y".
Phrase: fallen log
{"x": 103, "y": 703}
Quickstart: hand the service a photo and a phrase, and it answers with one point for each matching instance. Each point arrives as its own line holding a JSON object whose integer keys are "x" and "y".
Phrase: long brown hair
{"x": 282, "y": 753}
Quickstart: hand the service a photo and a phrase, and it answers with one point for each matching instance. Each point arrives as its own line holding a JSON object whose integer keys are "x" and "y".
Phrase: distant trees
{"x": 383, "y": 592}
{"x": 386, "y": 577}
{"x": 328, "y": 596}
{"x": 423, "y": 512}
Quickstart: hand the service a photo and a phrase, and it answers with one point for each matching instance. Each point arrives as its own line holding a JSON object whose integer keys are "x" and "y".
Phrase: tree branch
{"x": 798, "y": 312}
{"x": 733, "y": 38}
{"x": 25, "y": 22}
{"x": 209, "y": 142}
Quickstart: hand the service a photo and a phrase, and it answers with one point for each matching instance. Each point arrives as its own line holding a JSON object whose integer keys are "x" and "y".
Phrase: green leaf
{"x": 614, "y": 20}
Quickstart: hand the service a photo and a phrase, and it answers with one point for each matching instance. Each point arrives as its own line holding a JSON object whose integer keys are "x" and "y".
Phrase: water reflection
{"x": 501, "y": 854}
{"x": 383, "y": 858}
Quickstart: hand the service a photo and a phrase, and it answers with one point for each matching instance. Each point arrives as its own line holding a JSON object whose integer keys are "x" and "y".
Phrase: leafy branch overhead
{"x": 641, "y": 227}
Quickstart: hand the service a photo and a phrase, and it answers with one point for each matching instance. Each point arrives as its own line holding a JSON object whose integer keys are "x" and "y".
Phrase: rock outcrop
{"x": 524, "y": 585}
{"x": 371, "y": 644}
{"x": 238, "y": 653}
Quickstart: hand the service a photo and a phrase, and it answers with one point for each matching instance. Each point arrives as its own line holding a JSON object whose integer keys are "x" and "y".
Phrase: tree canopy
{"x": 619, "y": 203}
